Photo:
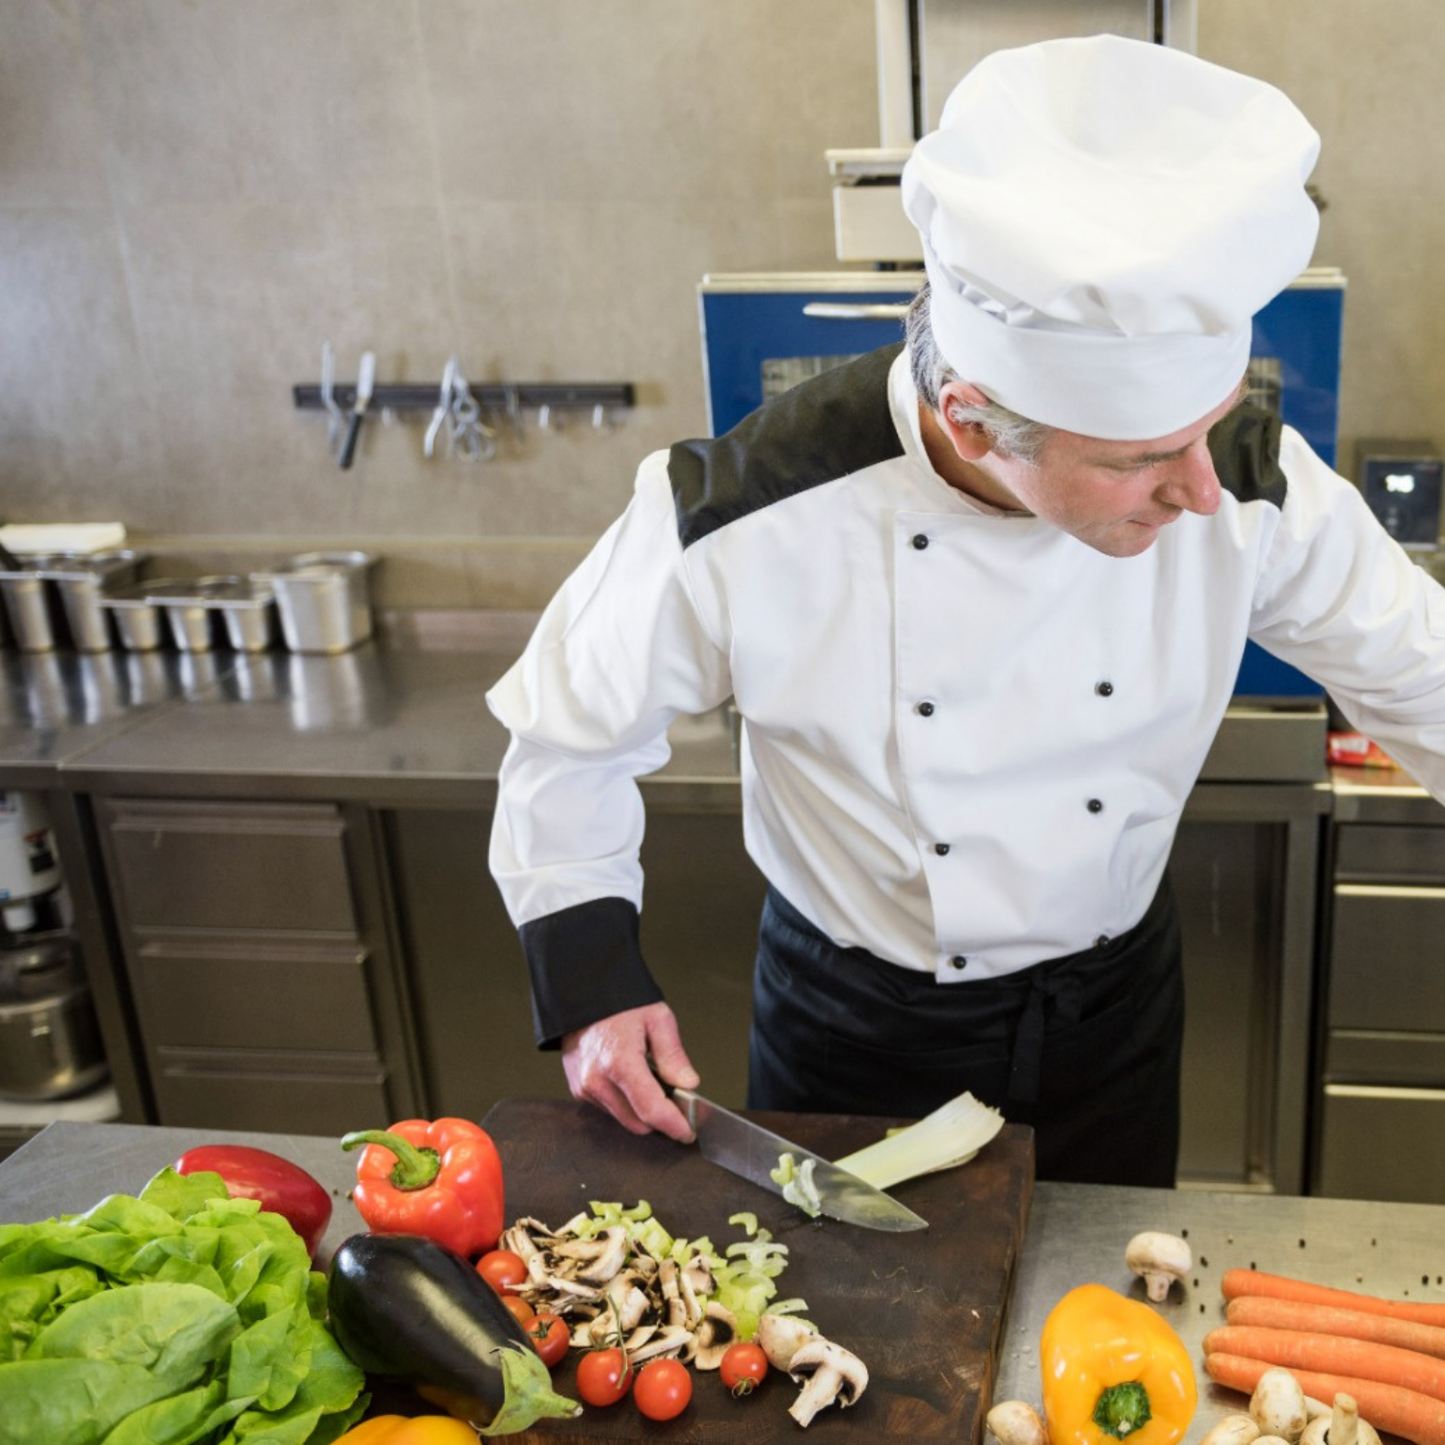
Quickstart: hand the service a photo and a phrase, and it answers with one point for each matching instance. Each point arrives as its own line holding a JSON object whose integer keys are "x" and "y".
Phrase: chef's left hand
{"x": 607, "y": 1064}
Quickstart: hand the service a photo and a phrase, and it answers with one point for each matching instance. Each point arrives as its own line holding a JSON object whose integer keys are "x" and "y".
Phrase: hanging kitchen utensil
{"x": 443, "y": 409}
{"x": 334, "y": 415}
{"x": 365, "y": 381}
{"x": 755, "y": 1154}
{"x": 472, "y": 439}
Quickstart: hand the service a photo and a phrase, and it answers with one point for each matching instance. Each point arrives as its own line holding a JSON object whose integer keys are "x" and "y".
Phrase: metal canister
{"x": 324, "y": 599}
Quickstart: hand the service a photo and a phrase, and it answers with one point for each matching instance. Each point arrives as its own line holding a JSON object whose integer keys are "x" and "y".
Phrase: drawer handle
{"x": 856, "y": 310}
{"x": 1385, "y": 890}
{"x": 1382, "y": 1091}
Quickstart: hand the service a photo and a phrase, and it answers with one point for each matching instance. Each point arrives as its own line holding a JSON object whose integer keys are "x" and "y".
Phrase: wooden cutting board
{"x": 923, "y": 1310}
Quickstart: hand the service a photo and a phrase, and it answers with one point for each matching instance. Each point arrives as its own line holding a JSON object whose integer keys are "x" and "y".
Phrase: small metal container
{"x": 248, "y": 612}
{"x": 190, "y": 610}
{"x": 324, "y": 600}
{"x": 33, "y": 606}
{"x": 82, "y": 582}
{"x": 139, "y": 622}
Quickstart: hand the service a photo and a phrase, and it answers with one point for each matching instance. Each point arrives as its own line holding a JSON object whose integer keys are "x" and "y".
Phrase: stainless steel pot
{"x": 50, "y": 1045}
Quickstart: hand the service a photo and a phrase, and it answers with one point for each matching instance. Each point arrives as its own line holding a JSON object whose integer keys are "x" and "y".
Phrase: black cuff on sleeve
{"x": 586, "y": 964}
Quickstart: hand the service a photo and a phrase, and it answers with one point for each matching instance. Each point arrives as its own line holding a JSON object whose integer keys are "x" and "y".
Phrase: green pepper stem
{"x": 1122, "y": 1409}
{"x": 415, "y": 1167}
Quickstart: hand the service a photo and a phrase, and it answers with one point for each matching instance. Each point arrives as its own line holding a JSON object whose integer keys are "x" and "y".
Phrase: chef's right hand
{"x": 607, "y": 1064}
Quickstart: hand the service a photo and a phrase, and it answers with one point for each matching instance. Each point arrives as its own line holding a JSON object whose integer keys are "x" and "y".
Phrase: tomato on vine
{"x": 551, "y": 1337}
{"x": 603, "y": 1377}
{"x": 663, "y": 1389}
{"x": 743, "y": 1367}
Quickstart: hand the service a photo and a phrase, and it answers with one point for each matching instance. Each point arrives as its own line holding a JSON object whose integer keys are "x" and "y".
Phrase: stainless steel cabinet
{"x": 256, "y": 947}
{"x": 1382, "y": 1079}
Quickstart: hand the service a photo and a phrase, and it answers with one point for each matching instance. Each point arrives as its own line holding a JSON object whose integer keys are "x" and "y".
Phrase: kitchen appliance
{"x": 763, "y": 332}
{"x": 1401, "y": 481}
{"x": 29, "y": 868}
{"x": 50, "y": 1045}
{"x": 756, "y": 1154}
{"x": 324, "y": 599}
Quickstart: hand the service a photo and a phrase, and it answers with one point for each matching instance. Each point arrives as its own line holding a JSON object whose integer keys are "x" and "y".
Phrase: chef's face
{"x": 1115, "y": 496}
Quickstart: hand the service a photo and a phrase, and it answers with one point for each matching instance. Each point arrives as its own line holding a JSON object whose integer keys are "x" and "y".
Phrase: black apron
{"x": 1085, "y": 1048}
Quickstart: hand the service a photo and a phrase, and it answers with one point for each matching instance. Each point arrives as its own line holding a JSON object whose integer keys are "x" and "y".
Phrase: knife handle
{"x": 348, "y": 447}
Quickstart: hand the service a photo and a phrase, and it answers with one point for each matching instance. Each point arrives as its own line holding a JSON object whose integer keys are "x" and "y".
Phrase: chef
{"x": 980, "y": 601}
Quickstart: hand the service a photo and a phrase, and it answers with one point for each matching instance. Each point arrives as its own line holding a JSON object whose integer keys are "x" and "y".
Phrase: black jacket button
{"x": 920, "y": 541}
{"x": 1104, "y": 689}
{"x": 941, "y": 849}
{"x": 1095, "y": 806}
{"x": 925, "y": 709}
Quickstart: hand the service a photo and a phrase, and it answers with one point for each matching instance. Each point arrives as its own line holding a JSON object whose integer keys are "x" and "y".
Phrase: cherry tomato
{"x": 504, "y": 1271}
{"x": 603, "y": 1377}
{"x": 743, "y": 1367}
{"x": 520, "y": 1308}
{"x": 551, "y": 1337}
{"x": 663, "y": 1389}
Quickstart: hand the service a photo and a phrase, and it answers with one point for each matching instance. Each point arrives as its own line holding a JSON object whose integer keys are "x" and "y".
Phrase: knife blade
{"x": 365, "y": 380}
{"x": 752, "y": 1152}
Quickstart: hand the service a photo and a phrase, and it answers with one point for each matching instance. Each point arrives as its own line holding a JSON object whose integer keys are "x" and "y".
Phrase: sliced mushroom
{"x": 781, "y": 1336}
{"x": 692, "y": 1307}
{"x": 669, "y": 1340}
{"x": 697, "y": 1275}
{"x": 712, "y": 1335}
{"x": 829, "y": 1374}
{"x": 597, "y": 1260}
{"x": 1159, "y": 1259}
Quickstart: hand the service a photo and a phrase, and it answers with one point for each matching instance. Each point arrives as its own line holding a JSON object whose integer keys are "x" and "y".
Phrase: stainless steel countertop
{"x": 1076, "y": 1234}
{"x": 401, "y": 720}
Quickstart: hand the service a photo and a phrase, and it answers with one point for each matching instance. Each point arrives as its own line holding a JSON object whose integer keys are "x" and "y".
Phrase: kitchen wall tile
{"x": 261, "y": 100}
{"x": 53, "y": 153}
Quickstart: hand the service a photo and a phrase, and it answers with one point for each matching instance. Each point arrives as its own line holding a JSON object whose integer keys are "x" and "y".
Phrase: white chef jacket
{"x": 967, "y": 737}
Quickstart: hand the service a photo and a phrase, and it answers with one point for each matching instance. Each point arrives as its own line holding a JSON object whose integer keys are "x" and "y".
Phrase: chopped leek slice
{"x": 949, "y": 1136}
{"x": 797, "y": 1184}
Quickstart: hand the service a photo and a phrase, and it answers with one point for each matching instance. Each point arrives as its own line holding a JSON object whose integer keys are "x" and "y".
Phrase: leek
{"x": 949, "y": 1136}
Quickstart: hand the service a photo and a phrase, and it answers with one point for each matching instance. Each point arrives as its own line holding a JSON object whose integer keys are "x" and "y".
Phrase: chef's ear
{"x": 970, "y": 438}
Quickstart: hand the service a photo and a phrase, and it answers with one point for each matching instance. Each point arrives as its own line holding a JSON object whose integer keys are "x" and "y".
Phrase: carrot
{"x": 1238, "y": 1282}
{"x": 1283, "y": 1314}
{"x": 1332, "y": 1354}
{"x": 1407, "y": 1413}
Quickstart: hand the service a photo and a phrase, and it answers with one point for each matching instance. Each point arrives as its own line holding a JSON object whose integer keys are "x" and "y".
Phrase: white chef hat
{"x": 1101, "y": 218}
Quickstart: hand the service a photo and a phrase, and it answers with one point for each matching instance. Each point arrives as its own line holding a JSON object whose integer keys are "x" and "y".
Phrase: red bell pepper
{"x": 441, "y": 1179}
{"x": 282, "y": 1187}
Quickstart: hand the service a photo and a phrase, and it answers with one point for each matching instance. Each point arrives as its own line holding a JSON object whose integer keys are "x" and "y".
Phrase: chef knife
{"x": 365, "y": 380}
{"x": 752, "y": 1152}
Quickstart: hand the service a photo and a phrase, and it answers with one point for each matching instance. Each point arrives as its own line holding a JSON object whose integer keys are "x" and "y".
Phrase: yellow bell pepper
{"x": 404, "y": 1430}
{"x": 1112, "y": 1367}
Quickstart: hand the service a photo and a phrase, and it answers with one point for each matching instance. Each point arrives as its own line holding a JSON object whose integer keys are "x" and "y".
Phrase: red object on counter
{"x": 282, "y": 1187}
{"x": 441, "y": 1179}
{"x": 1354, "y": 750}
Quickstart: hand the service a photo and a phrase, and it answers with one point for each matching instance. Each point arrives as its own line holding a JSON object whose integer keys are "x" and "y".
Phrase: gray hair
{"x": 1010, "y": 434}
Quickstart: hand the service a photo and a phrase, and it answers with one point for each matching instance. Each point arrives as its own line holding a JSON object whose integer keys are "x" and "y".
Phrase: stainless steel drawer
{"x": 183, "y": 865}
{"x": 205, "y": 992}
{"x": 1386, "y": 970}
{"x": 1381, "y": 1143}
{"x": 1378, "y": 1056}
{"x": 1369, "y": 853}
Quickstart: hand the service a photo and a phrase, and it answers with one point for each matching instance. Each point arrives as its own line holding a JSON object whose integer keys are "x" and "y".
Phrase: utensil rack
{"x": 498, "y": 396}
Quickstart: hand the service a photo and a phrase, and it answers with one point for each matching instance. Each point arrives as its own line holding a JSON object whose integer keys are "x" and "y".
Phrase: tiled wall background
{"x": 195, "y": 194}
